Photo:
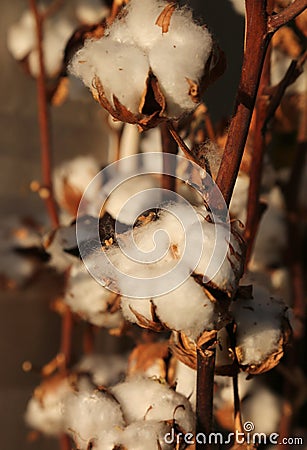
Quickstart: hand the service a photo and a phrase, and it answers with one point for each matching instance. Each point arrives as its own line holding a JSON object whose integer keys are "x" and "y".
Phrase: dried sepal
{"x": 164, "y": 18}
{"x": 151, "y": 108}
{"x": 145, "y": 356}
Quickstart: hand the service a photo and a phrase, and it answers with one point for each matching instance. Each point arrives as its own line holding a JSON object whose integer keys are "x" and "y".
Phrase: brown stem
{"x": 65, "y": 442}
{"x": 169, "y": 146}
{"x": 43, "y": 118}
{"x": 66, "y": 338}
{"x": 205, "y": 388}
{"x": 276, "y": 21}
{"x": 88, "y": 339}
{"x": 258, "y": 138}
{"x": 256, "y": 42}
{"x": 237, "y": 405}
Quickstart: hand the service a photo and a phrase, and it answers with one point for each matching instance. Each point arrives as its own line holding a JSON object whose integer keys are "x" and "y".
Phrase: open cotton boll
{"x": 105, "y": 370}
{"x": 264, "y": 409}
{"x": 21, "y": 37}
{"x": 45, "y": 409}
{"x": 89, "y": 299}
{"x": 171, "y": 62}
{"x": 93, "y": 416}
{"x": 91, "y": 11}
{"x": 147, "y": 434}
{"x": 261, "y": 329}
{"x": 147, "y": 399}
{"x": 57, "y": 244}
{"x": 113, "y": 63}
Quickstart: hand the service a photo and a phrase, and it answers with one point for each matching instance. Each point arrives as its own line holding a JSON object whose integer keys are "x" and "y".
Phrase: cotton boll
{"x": 45, "y": 409}
{"x": 264, "y": 409}
{"x": 105, "y": 370}
{"x": 93, "y": 416}
{"x": 147, "y": 434}
{"x": 147, "y": 399}
{"x": 113, "y": 64}
{"x": 260, "y": 329}
{"x": 91, "y": 11}
{"x": 21, "y": 36}
{"x": 170, "y": 60}
{"x": 89, "y": 299}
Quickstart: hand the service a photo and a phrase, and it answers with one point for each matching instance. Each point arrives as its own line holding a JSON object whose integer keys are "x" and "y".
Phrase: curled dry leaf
{"x": 144, "y": 356}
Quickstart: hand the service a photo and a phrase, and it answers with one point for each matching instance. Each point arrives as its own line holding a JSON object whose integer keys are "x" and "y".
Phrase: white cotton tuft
{"x": 185, "y": 380}
{"x": 105, "y": 370}
{"x": 114, "y": 64}
{"x": 147, "y": 434}
{"x": 170, "y": 60}
{"x": 259, "y": 326}
{"x": 147, "y": 399}
{"x": 91, "y": 301}
{"x": 93, "y": 416}
{"x": 45, "y": 410}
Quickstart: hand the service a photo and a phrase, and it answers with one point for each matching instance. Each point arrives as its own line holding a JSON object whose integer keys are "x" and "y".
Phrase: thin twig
{"x": 65, "y": 442}
{"x": 275, "y": 21}
{"x": 181, "y": 144}
{"x": 256, "y": 42}
{"x": 169, "y": 146}
{"x": 44, "y": 123}
{"x": 88, "y": 339}
{"x": 66, "y": 338}
{"x": 294, "y": 71}
{"x": 205, "y": 388}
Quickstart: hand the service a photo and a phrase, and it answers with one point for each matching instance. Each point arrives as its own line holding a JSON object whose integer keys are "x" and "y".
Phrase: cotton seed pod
{"x": 144, "y": 46}
{"x": 45, "y": 409}
{"x": 208, "y": 301}
{"x": 147, "y": 399}
{"x": 262, "y": 329}
{"x": 94, "y": 419}
{"x": 91, "y": 301}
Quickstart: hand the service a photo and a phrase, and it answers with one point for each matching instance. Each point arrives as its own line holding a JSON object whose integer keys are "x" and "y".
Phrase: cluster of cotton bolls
{"x": 57, "y": 29}
{"x": 145, "y": 44}
{"x": 135, "y": 413}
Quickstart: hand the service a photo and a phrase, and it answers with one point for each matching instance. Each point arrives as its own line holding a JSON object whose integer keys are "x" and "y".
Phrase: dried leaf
{"x": 164, "y": 18}
{"x": 61, "y": 92}
{"x": 145, "y": 355}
